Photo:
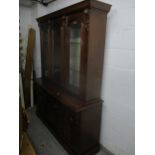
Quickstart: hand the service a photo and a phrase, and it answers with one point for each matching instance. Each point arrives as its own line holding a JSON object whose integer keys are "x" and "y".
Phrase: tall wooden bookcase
{"x": 68, "y": 94}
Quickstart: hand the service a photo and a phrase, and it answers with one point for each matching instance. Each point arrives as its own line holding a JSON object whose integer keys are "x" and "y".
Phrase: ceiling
{"x": 32, "y": 2}
{"x": 26, "y": 2}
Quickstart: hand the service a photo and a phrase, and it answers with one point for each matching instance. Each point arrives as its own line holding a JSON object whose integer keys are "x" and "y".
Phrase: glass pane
{"x": 74, "y": 57}
{"x": 45, "y": 53}
{"x": 56, "y": 54}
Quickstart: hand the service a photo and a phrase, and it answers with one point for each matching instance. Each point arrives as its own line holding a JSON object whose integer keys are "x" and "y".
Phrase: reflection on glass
{"x": 74, "y": 57}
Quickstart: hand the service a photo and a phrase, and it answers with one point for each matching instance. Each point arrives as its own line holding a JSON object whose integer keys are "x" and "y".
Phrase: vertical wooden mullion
{"x": 62, "y": 33}
{"x": 65, "y": 51}
{"x": 42, "y": 52}
{"x": 50, "y": 50}
{"x": 83, "y": 58}
{"x": 67, "y": 43}
{"x": 45, "y": 51}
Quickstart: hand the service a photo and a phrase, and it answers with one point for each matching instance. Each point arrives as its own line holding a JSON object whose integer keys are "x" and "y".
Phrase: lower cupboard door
{"x": 72, "y": 131}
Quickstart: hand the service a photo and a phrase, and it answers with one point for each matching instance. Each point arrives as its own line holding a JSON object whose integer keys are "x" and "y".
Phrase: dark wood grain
{"x": 89, "y": 4}
{"x": 69, "y": 120}
{"x": 68, "y": 99}
{"x": 73, "y": 114}
{"x": 97, "y": 32}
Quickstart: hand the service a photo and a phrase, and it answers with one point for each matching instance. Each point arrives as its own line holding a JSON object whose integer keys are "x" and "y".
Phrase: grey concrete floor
{"x": 42, "y": 139}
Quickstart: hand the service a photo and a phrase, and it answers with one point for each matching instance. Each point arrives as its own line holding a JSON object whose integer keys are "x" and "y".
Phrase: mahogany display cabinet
{"x": 68, "y": 94}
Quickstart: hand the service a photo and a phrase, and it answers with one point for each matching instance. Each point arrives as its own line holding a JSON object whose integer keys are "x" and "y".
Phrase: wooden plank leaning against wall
{"x": 28, "y": 67}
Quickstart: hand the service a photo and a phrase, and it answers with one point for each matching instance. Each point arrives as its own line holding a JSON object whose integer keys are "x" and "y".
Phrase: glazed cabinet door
{"x": 45, "y": 35}
{"x": 77, "y": 37}
{"x": 51, "y": 49}
{"x": 56, "y": 51}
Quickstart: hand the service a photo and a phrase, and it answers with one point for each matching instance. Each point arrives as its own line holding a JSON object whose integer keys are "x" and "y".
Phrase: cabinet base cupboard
{"x": 68, "y": 94}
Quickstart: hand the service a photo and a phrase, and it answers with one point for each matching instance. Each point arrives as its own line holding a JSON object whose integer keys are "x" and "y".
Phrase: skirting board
{"x": 106, "y": 150}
